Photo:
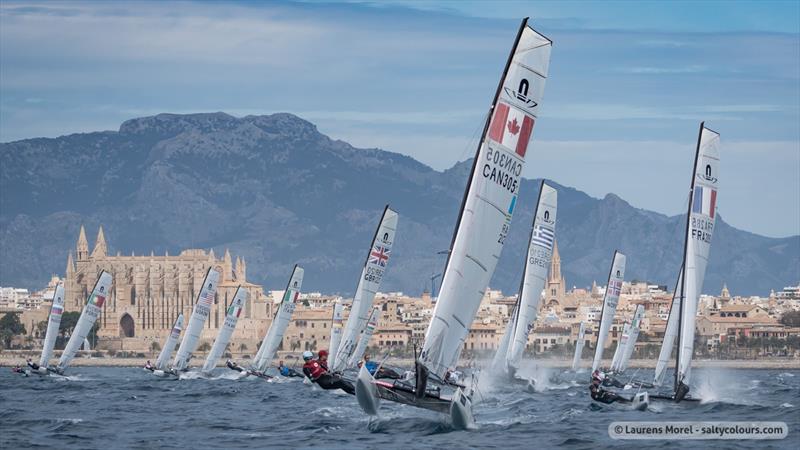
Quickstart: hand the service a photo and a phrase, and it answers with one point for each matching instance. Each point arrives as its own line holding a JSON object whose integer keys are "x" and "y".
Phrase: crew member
{"x": 378, "y": 372}
{"x": 323, "y": 359}
{"x": 316, "y": 373}
{"x": 287, "y": 371}
{"x": 32, "y": 364}
{"x": 598, "y": 393}
{"x": 149, "y": 366}
{"x": 233, "y": 366}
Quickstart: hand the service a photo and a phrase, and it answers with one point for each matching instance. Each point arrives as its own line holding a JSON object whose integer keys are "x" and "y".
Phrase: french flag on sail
{"x": 705, "y": 201}
{"x": 512, "y": 128}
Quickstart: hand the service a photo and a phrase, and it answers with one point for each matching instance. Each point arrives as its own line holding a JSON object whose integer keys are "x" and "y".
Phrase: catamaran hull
{"x": 641, "y": 401}
{"x": 461, "y": 411}
{"x": 367, "y": 393}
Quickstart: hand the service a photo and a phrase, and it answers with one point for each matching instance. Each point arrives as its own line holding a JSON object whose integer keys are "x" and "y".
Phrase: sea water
{"x": 128, "y": 407}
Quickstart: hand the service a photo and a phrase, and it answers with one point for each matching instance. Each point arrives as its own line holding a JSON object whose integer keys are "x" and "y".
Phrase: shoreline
{"x": 10, "y": 360}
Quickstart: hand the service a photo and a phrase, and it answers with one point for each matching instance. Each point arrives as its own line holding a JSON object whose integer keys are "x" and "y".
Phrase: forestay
{"x": 336, "y": 331}
{"x": 226, "y": 331}
{"x": 613, "y": 288}
{"x": 633, "y": 336}
{"x": 489, "y": 201}
{"x": 537, "y": 262}
{"x": 670, "y": 332}
{"x": 199, "y": 315}
{"x": 699, "y": 230}
{"x": 576, "y": 360}
{"x": 91, "y": 311}
{"x": 281, "y": 320}
{"x": 366, "y": 335}
{"x": 169, "y": 345}
{"x": 368, "y": 284}
{"x": 52, "y": 326}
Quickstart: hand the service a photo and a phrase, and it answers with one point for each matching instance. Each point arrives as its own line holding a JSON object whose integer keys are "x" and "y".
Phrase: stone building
{"x": 148, "y": 293}
{"x": 556, "y": 285}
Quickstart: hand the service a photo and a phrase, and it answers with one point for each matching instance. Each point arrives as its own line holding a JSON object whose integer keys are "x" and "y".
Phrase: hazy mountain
{"x": 276, "y": 191}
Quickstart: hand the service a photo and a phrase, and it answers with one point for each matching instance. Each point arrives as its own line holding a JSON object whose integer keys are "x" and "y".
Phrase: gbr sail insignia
{"x": 481, "y": 229}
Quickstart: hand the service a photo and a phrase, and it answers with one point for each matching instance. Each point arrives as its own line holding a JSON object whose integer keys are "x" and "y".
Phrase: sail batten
{"x": 369, "y": 283}
{"x": 489, "y": 200}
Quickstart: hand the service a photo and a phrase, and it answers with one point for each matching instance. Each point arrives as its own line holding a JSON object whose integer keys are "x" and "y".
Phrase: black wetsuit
{"x": 331, "y": 381}
{"x": 33, "y": 366}
{"x": 233, "y": 366}
{"x": 603, "y": 396}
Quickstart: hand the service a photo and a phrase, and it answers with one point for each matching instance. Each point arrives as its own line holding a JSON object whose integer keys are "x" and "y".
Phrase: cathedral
{"x": 149, "y": 292}
{"x": 555, "y": 289}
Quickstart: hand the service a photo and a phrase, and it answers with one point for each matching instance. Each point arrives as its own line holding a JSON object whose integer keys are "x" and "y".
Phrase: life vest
{"x": 313, "y": 369}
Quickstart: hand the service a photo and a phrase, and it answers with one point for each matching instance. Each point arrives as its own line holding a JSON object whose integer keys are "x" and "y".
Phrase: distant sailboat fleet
{"x": 483, "y": 223}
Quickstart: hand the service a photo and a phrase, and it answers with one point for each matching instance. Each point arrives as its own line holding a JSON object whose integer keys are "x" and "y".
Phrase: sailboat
{"x": 365, "y": 336}
{"x": 51, "y": 334}
{"x": 633, "y": 336}
{"x": 225, "y": 333}
{"x": 610, "y": 300}
{"x": 700, "y": 221}
{"x": 537, "y": 262}
{"x": 579, "y": 343}
{"x": 169, "y": 346}
{"x": 91, "y": 311}
{"x": 274, "y": 336}
{"x": 201, "y": 311}
{"x": 483, "y": 225}
{"x": 368, "y": 284}
{"x": 336, "y": 331}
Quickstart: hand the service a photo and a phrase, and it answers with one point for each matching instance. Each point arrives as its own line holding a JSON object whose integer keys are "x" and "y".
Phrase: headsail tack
{"x": 52, "y": 326}
{"x": 489, "y": 200}
{"x": 91, "y": 311}
{"x": 169, "y": 345}
{"x": 199, "y": 315}
{"x": 613, "y": 289}
{"x": 281, "y": 321}
{"x": 226, "y": 331}
{"x": 368, "y": 284}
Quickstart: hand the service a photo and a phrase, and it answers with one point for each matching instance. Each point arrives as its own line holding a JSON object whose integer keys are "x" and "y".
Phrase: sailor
{"x": 287, "y": 371}
{"x": 17, "y": 369}
{"x": 323, "y": 359}
{"x": 32, "y": 364}
{"x": 598, "y": 393}
{"x": 233, "y": 366}
{"x": 316, "y": 373}
{"x": 378, "y": 372}
{"x": 149, "y": 366}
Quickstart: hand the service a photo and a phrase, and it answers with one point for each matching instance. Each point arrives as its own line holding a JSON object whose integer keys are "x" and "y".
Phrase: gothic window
{"x": 133, "y": 296}
{"x": 126, "y": 326}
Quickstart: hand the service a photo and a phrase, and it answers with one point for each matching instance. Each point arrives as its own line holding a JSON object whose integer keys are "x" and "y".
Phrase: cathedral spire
{"x": 227, "y": 266}
{"x": 555, "y": 264}
{"x": 100, "y": 248}
{"x": 70, "y": 265}
{"x": 83, "y": 246}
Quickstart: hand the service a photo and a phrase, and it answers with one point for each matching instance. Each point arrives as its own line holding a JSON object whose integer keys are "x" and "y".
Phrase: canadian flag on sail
{"x": 511, "y": 127}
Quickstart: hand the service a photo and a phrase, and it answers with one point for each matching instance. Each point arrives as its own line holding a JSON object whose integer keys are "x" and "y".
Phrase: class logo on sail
{"x": 705, "y": 201}
{"x": 511, "y": 128}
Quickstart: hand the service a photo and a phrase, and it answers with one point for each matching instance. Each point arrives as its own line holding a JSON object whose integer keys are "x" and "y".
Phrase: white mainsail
{"x": 228, "y": 327}
{"x": 576, "y": 360}
{"x": 366, "y": 335}
{"x": 699, "y": 230}
{"x": 633, "y": 336}
{"x": 199, "y": 315}
{"x": 336, "y": 332}
{"x": 368, "y": 284}
{"x": 169, "y": 345}
{"x": 489, "y": 200}
{"x": 52, "y": 326}
{"x": 91, "y": 311}
{"x": 537, "y": 262}
{"x": 670, "y": 333}
{"x": 500, "y": 357}
{"x": 623, "y": 341}
{"x": 281, "y": 321}
{"x": 613, "y": 288}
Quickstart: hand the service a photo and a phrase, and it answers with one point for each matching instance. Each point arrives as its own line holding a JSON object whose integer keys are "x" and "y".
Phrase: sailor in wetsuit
{"x": 233, "y": 366}
{"x": 149, "y": 366}
{"x": 598, "y": 393}
{"x": 33, "y": 365}
{"x": 316, "y": 373}
{"x": 287, "y": 371}
{"x": 322, "y": 359}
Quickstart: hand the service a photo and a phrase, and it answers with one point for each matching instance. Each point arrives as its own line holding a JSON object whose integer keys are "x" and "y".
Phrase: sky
{"x": 629, "y": 83}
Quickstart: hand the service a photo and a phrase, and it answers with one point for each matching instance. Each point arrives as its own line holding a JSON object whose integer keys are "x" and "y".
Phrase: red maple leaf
{"x": 513, "y": 127}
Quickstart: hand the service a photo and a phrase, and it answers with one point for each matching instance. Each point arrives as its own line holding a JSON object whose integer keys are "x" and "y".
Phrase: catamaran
{"x": 91, "y": 311}
{"x": 537, "y": 261}
{"x": 630, "y": 345}
{"x": 51, "y": 334}
{"x": 365, "y": 336}
{"x": 225, "y": 333}
{"x": 483, "y": 225}
{"x": 368, "y": 284}
{"x": 274, "y": 336}
{"x": 200, "y": 313}
{"x": 700, "y": 220}
{"x": 336, "y": 330}
{"x": 169, "y": 347}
